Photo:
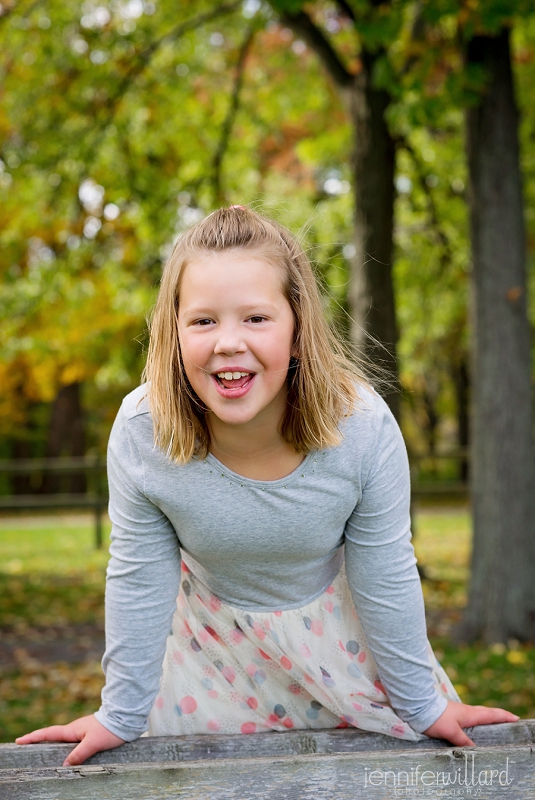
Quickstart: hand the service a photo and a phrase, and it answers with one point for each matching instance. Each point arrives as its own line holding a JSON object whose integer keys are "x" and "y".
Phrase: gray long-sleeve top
{"x": 262, "y": 545}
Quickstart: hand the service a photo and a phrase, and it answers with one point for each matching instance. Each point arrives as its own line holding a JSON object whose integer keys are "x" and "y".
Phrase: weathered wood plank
{"x": 187, "y": 748}
{"x": 488, "y": 773}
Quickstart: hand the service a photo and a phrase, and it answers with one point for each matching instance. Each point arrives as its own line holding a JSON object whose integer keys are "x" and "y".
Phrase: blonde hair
{"x": 322, "y": 380}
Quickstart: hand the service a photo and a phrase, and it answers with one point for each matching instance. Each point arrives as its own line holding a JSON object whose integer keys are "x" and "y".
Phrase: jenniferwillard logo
{"x": 467, "y": 778}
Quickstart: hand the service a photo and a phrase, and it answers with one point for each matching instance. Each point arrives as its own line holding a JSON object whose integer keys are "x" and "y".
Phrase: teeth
{"x": 232, "y": 376}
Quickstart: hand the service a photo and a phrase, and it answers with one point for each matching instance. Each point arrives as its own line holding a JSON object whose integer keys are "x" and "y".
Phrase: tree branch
{"x": 143, "y": 58}
{"x": 346, "y": 9}
{"x": 226, "y": 128}
{"x": 301, "y": 24}
{"x": 441, "y": 236}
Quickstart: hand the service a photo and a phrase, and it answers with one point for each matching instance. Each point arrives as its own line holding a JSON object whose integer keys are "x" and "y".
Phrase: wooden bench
{"x": 345, "y": 764}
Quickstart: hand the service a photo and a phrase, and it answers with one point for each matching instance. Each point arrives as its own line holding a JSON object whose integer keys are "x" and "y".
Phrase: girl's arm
{"x": 141, "y": 590}
{"x": 384, "y": 582}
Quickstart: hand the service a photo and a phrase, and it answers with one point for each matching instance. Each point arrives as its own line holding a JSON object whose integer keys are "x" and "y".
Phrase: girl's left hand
{"x": 457, "y": 716}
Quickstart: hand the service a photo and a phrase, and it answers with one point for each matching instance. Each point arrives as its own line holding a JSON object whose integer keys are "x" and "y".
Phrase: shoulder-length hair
{"x": 322, "y": 380}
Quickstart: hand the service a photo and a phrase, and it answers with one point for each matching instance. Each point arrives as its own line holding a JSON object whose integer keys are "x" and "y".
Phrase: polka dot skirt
{"x": 228, "y": 670}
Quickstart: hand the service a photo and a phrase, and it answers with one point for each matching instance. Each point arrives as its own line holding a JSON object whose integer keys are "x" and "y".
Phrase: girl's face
{"x": 236, "y": 332}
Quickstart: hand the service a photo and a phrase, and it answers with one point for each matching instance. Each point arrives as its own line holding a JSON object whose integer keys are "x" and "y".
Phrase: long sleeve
{"x": 384, "y": 581}
{"x": 141, "y": 589}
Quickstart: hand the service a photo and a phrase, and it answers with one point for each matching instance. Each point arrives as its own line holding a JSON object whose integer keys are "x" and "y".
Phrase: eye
{"x": 203, "y": 322}
{"x": 257, "y": 318}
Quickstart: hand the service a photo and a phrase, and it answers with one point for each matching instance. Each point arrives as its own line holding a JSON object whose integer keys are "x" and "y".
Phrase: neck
{"x": 255, "y": 449}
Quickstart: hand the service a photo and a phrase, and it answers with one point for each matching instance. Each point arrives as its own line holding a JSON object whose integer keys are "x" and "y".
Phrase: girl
{"x": 259, "y": 463}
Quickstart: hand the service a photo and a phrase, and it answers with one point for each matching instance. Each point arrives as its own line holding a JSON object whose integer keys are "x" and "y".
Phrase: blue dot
{"x": 314, "y": 704}
{"x": 354, "y": 671}
{"x": 275, "y": 637}
{"x": 207, "y": 683}
{"x": 308, "y": 623}
{"x": 325, "y": 673}
{"x": 337, "y": 614}
{"x": 195, "y": 645}
{"x": 219, "y": 665}
{"x": 178, "y": 710}
{"x": 260, "y": 676}
{"x": 187, "y": 588}
{"x": 352, "y": 647}
{"x": 312, "y": 713}
{"x": 376, "y": 705}
{"x": 280, "y": 711}
{"x": 329, "y": 683}
{"x": 249, "y": 620}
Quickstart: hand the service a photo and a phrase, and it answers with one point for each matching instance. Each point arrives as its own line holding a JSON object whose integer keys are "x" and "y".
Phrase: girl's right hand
{"x": 92, "y": 736}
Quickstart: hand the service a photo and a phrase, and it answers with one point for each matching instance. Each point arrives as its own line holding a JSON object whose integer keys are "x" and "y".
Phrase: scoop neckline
{"x": 241, "y": 479}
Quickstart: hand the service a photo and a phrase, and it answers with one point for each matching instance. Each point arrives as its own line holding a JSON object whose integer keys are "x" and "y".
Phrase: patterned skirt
{"x": 230, "y": 670}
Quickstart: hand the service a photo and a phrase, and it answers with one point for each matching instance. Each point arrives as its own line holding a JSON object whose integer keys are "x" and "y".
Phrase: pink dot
{"x": 159, "y": 702}
{"x": 342, "y": 724}
{"x": 444, "y": 687}
{"x": 213, "y": 694}
{"x": 294, "y": 688}
{"x": 273, "y": 718}
{"x": 278, "y": 613}
{"x": 357, "y": 706}
{"x": 248, "y": 727}
{"x": 178, "y": 657}
{"x": 286, "y": 663}
{"x": 211, "y": 632}
{"x": 308, "y": 679}
{"x": 264, "y": 655}
{"x": 288, "y": 723}
{"x": 379, "y": 685}
{"x": 361, "y": 657}
{"x": 203, "y": 636}
{"x": 330, "y": 590}
{"x": 188, "y": 704}
{"x": 183, "y": 567}
{"x": 341, "y": 645}
{"x": 398, "y": 730}
{"x": 267, "y": 624}
{"x": 215, "y": 603}
{"x": 257, "y": 628}
{"x": 251, "y": 670}
{"x": 252, "y": 702}
{"x": 316, "y": 627}
{"x": 213, "y": 725}
{"x": 229, "y": 674}
{"x": 305, "y": 650}
{"x": 237, "y": 636}
{"x": 186, "y": 630}
{"x": 329, "y": 605}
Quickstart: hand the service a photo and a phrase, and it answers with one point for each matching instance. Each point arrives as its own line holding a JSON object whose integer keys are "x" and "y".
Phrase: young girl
{"x": 259, "y": 468}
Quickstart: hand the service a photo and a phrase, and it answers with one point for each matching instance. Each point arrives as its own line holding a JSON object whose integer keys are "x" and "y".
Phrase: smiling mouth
{"x": 233, "y": 380}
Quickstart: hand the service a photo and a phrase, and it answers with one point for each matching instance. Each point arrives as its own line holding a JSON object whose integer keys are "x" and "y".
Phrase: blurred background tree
{"x": 123, "y": 122}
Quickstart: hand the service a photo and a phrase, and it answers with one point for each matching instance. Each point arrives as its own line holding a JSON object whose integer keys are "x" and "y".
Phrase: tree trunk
{"x": 371, "y": 293}
{"x": 502, "y": 591}
{"x": 66, "y": 436}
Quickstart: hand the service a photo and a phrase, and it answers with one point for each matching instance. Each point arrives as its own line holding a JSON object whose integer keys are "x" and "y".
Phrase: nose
{"x": 229, "y": 340}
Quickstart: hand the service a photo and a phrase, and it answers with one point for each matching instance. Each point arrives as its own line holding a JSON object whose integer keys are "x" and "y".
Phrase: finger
{"x": 460, "y": 738}
{"x": 81, "y": 753}
{"x": 55, "y": 733}
{"x": 482, "y": 715}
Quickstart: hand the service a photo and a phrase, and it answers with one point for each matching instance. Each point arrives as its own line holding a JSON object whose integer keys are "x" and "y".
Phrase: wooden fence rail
{"x": 295, "y": 765}
{"x": 92, "y": 466}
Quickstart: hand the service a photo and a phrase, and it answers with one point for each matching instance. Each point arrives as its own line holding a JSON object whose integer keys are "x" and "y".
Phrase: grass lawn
{"x": 52, "y": 578}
